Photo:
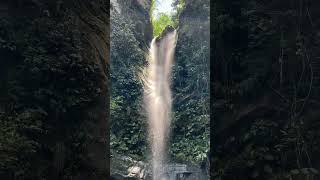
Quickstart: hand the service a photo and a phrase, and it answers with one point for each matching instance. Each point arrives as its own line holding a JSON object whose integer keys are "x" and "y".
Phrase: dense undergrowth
{"x": 190, "y": 125}
{"x": 128, "y": 126}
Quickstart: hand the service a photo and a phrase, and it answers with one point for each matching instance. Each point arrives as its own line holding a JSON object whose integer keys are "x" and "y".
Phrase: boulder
{"x": 125, "y": 167}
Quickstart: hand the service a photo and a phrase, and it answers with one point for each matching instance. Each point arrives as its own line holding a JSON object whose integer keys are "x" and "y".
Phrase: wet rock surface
{"x": 124, "y": 167}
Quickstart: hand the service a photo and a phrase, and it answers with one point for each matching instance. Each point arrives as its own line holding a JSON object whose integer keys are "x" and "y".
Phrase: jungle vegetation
{"x": 190, "y": 125}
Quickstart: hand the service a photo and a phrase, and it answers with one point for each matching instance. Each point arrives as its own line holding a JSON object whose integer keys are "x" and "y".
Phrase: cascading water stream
{"x": 157, "y": 97}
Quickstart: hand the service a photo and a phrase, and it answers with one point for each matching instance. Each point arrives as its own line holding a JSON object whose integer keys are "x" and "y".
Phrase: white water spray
{"x": 157, "y": 97}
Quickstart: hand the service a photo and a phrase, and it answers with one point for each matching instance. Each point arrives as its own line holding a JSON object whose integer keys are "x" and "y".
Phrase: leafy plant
{"x": 160, "y": 22}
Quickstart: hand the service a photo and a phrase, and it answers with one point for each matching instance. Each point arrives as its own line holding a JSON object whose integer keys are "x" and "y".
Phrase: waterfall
{"x": 157, "y": 97}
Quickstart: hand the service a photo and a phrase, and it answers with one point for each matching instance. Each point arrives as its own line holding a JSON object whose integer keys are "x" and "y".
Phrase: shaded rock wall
{"x": 54, "y": 89}
{"x": 265, "y": 89}
{"x": 138, "y": 12}
{"x": 94, "y": 23}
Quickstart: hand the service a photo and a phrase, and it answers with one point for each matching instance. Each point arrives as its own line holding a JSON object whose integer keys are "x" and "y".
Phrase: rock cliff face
{"x": 94, "y": 24}
{"x": 131, "y": 33}
{"x": 138, "y": 12}
{"x": 194, "y": 21}
{"x": 54, "y": 89}
{"x": 191, "y": 83}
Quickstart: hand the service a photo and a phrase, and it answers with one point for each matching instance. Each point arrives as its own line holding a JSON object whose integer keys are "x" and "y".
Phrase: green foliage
{"x": 162, "y": 20}
{"x": 179, "y": 6}
{"x": 160, "y": 23}
{"x": 128, "y": 125}
{"x": 191, "y": 143}
{"x": 190, "y": 126}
